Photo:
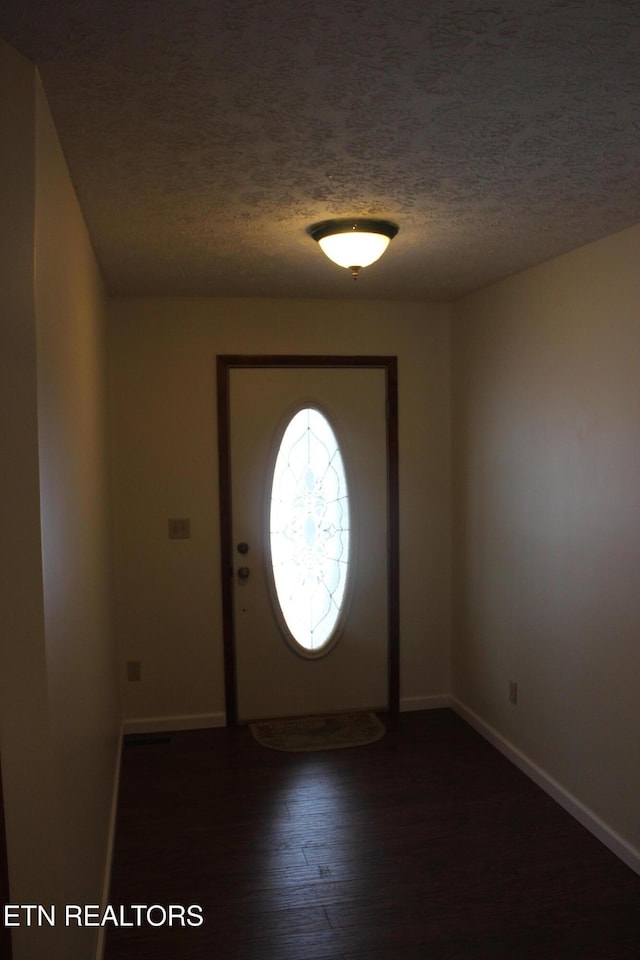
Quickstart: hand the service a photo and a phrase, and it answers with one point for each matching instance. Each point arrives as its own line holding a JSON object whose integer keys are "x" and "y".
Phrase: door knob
{"x": 243, "y": 573}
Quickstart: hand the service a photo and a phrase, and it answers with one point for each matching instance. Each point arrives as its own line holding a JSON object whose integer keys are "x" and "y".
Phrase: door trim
{"x": 224, "y": 364}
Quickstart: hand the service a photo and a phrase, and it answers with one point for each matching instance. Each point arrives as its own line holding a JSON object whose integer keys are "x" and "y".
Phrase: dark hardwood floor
{"x": 428, "y": 845}
{"x": 5, "y": 933}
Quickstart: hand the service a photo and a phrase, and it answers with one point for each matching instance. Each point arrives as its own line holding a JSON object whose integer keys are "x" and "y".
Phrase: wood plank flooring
{"x": 5, "y": 934}
{"x": 428, "y": 845}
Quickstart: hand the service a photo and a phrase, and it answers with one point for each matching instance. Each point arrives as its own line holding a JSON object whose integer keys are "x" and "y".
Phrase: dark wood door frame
{"x": 224, "y": 364}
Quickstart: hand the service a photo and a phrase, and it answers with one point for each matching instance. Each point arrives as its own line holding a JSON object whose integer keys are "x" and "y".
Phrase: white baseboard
{"x": 424, "y": 703}
{"x": 196, "y": 721}
{"x": 111, "y": 837}
{"x": 605, "y": 834}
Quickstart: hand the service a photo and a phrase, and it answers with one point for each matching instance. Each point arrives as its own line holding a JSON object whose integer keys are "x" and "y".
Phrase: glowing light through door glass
{"x": 309, "y": 529}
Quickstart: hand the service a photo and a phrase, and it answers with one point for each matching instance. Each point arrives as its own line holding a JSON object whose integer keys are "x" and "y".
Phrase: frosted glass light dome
{"x": 353, "y": 243}
{"x": 354, "y": 249}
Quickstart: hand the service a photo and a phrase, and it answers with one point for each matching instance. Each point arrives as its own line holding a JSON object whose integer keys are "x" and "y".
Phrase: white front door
{"x": 273, "y": 679}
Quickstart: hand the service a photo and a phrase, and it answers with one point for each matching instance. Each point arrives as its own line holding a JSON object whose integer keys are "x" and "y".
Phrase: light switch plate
{"x": 134, "y": 671}
{"x": 179, "y": 528}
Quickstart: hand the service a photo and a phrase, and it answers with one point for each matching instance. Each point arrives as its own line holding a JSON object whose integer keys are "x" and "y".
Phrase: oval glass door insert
{"x": 309, "y": 532}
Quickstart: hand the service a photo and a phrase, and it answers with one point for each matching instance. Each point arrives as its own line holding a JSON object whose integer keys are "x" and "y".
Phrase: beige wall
{"x": 546, "y": 427}
{"x": 162, "y": 355}
{"x": 59, "y": 712}
{"x": 24, "y": 731}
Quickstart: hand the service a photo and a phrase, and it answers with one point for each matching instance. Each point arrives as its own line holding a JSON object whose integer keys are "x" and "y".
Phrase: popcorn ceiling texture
{"x": 204, "y": 137}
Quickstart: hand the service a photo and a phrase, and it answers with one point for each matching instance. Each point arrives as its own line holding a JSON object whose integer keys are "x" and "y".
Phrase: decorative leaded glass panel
{"x": 309, "y": 529}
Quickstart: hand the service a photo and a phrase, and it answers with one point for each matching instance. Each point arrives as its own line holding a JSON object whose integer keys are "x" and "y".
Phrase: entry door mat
{"x": 330, "y": 732}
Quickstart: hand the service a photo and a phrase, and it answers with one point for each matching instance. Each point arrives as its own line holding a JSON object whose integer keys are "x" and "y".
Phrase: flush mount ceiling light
{"x": 353, "y": 243}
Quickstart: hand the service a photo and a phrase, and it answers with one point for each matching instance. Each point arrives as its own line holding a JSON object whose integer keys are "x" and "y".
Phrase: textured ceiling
{"x": 204, "y": 137}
